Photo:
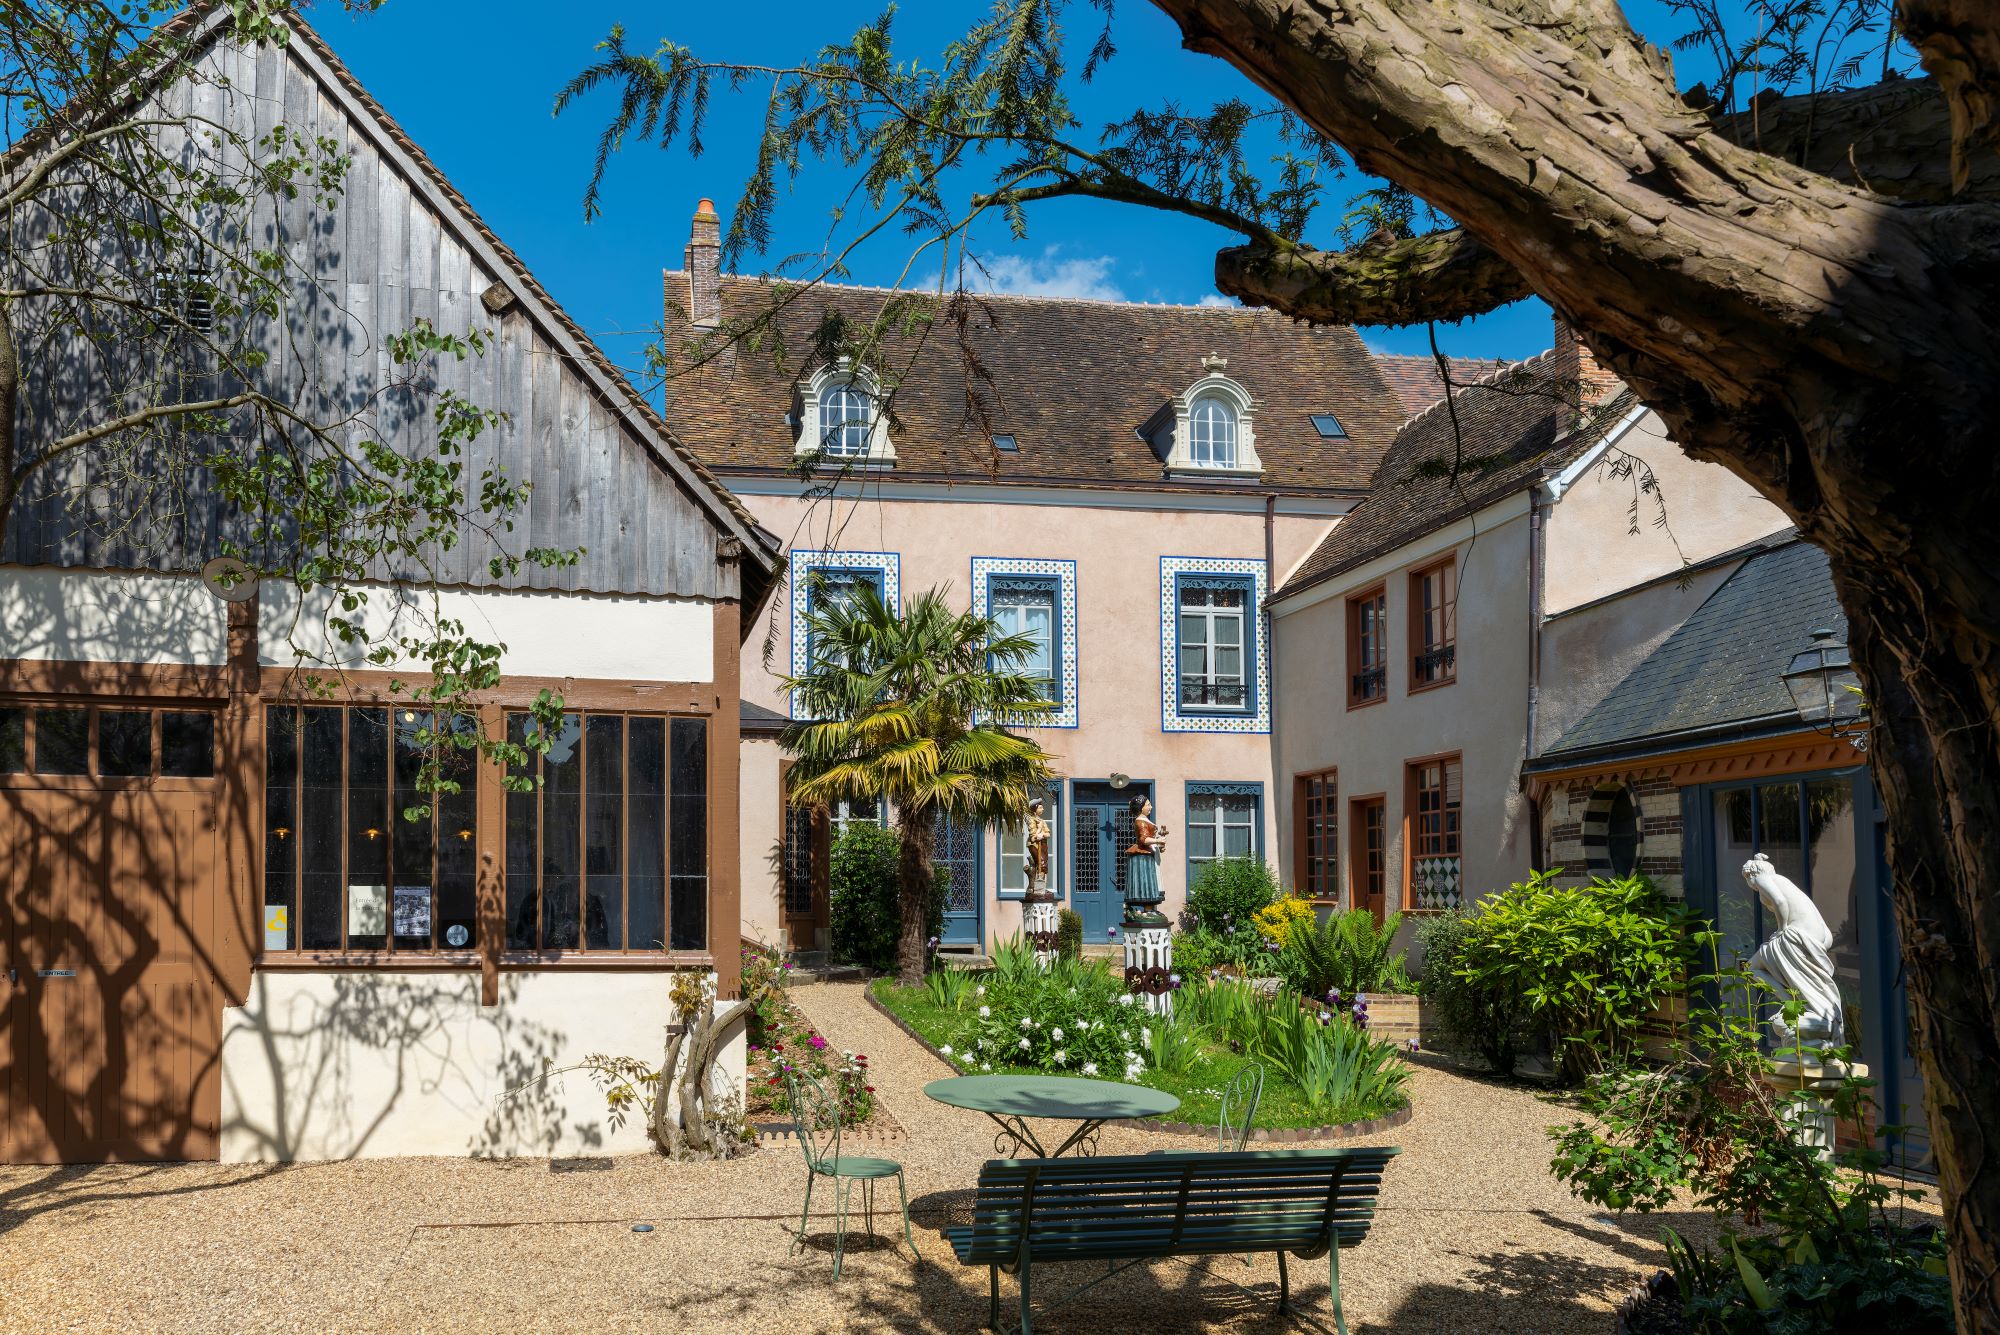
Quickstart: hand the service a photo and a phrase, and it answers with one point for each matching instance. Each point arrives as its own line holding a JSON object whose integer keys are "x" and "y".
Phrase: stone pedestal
{"x": 1040, "y": 919}
{"x": 1813, "y": 1122}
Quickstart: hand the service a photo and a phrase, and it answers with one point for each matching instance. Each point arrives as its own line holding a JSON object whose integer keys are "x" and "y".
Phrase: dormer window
{"x": 846, "y": 420}
{"x": 843, "y": 420}
{"x": 1206, "y": 429}
{"x": 1212, "y": 433}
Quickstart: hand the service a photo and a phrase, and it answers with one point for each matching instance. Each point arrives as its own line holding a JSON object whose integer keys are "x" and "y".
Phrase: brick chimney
{"x": 1572, "y": 364}
{"x": 703, "y": 262}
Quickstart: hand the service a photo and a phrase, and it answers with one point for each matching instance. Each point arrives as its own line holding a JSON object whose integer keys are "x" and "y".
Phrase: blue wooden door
{"x": 1101, "y": 825}
{"x": 956, "y": 849}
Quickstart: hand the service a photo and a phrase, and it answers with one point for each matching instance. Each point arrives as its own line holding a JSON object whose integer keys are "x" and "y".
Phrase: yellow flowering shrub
{"x": 1275, "y": 920}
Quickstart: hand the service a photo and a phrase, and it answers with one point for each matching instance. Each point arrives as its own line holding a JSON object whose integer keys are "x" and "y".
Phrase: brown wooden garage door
{"x": 110, "y": 1031}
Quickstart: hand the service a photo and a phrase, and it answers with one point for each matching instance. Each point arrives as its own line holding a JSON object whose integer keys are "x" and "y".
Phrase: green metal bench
{"x": 1145, "y": 1207}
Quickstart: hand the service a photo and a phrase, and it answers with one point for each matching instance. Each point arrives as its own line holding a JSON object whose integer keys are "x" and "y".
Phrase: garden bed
{"x": 780, "y": 1036}
{"x": 1282, "y": 1114}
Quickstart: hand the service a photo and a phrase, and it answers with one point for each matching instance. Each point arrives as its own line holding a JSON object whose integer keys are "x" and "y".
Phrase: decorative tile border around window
{"x": 1434, "y": 883}
{"x": 985, "y": 568}
{"x": 1255, "y": 719}
{"x": 888, "y": 565}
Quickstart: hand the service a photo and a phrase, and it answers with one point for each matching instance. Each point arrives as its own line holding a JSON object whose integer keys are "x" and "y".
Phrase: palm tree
{"x": 915, "y": 709}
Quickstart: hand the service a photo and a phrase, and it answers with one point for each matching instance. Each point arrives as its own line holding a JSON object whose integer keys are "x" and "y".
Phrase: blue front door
{"x": 1101, "y": 828}
{"x": 956, "y": 850}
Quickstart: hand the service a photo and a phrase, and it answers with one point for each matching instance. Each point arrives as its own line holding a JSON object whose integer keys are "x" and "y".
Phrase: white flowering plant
{"x": 1061, "y": 1021}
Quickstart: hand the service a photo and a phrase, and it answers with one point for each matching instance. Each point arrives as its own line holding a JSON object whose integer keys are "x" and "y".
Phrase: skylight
{"x": 1328, "y": 426}
{"x": 1006, "y": 443}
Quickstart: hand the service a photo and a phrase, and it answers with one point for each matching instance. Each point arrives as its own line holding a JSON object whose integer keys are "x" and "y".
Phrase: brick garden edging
{"x": 1279, "y": 1135}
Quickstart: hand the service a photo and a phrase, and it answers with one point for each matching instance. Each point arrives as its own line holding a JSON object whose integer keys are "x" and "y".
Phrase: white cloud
{"x": 1051, "y": 275}
{"x": 1217, "y": 299}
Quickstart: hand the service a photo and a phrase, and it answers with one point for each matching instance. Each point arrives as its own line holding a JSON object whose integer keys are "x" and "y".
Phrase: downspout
{"x": 1279, "y": 791}
{"x": 1535, "y": 563}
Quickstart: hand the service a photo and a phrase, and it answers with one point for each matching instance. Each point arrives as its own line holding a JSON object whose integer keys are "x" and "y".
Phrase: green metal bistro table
{"x": 1011, "y": 1099}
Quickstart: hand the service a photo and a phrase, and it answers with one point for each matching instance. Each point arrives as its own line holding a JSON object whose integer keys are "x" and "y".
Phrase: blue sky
{"x": 473, "y": 85}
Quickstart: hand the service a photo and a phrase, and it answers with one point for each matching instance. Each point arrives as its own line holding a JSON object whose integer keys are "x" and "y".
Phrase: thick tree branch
{"x": 1959, "y": 43}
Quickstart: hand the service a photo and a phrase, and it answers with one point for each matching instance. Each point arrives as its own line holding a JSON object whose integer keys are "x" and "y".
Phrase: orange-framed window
{"x": 1368, "y": 647}
{"x": 1315, "y": 805}
{"x": 1436, "y": 795}
{"x": 1434, "y": 624}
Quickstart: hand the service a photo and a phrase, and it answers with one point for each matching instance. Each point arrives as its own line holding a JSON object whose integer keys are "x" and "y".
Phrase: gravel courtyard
{"x": 1473, "y": 1236}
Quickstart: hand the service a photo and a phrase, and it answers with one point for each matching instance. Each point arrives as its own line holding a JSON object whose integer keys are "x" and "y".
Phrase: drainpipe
{"x": 1536, "y": 510}
{"x": 1278, "y": 793}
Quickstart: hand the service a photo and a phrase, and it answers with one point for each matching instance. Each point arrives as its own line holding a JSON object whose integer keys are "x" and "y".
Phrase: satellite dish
{"x": 229, "y": 579}
{"x": 1120, "y": 780}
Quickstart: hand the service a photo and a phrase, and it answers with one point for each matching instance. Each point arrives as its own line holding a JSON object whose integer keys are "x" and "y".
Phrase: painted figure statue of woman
{"x": 1142, "y": 859}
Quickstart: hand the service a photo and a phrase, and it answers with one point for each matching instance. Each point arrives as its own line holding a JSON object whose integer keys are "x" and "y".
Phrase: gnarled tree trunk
{"x": 1828, "y": 330}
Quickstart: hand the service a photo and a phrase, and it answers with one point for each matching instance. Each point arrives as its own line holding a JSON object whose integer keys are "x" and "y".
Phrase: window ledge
{"x": 881, "y": 461}
{"x": 1419, "y": 687}
{"x": 1196, "y": 473}
{"x": 1367, "y": 704}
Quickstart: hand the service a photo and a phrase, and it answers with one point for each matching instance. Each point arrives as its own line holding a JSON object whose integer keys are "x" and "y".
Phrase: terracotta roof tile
{"x": 1071, "y": 381}
{"x": 1508, "y": 436}
{"x": 1416, "y": 380}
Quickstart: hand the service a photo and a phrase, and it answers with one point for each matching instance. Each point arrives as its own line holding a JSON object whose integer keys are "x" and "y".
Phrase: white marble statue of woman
{"x": 1796, "y": 960}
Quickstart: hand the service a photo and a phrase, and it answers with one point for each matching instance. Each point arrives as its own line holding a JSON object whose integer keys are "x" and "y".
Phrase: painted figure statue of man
{"x": 1797, "y": 960}
{"x": 1038, "y": 845}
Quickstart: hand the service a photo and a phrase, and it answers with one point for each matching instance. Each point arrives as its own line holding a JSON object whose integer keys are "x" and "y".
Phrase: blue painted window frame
{"x": 873, "y": 575}
{"x": 1196, "y": 788}
{"x": 1252, "y": 644}
{"x": 1065, "y": 639}
{"x": 1057, "y": 641}
{"x": 1054, "y": 813}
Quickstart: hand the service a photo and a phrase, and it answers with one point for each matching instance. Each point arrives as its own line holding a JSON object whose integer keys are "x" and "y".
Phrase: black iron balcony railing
{"x": 1435, "y": 664}
{"x": 1370, "y": 683}
{"x": 1207, "y": 693}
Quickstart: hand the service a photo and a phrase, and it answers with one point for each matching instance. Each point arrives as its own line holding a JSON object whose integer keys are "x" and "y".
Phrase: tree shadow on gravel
{"x": 79, "y": 1187}
{"x": 1513, "y": 1293}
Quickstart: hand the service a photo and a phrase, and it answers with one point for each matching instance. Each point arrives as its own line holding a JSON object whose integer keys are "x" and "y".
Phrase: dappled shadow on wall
{"x": 327, "y": 1069}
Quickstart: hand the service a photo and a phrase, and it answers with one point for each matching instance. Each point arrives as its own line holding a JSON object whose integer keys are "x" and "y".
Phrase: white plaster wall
{"x": 91, "y": 616}
{"x": 369, "y": 1064}
{"x": 1482, "y": 715}
{"x": 545, "y": 633}
{"x": 1591, "y": 548}
{"x": 761, "y": 831}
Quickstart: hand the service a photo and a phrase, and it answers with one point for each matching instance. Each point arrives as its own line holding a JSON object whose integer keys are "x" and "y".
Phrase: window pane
{"x": 62, "y": 741}
{"x": 320, "y": 801}
{"x": 688, "y": 838}
{"x": 1013, "y": 859}
{"x": 1229, "y": 662}
{"x": 368, "y": 830}
{"x": 562, "y": 836}
{"x": 458, "y": 852}
{"x": 125, "y": 743}
{"x": 646, "y": 770}
{"x": 1778, "y": 835}
{"x": 1201, "y": 834}
{"x": 524, "y": 825}
{"x": 410, "y": 840}
{"x": 187, "y": 745}
{"x": 281, "y": 824}
{"x": 1194, "y": 629}
{"x": 13, "y": 741}
{"x": 604, "y": 832}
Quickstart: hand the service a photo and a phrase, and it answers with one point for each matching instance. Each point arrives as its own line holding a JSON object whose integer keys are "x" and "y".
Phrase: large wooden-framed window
{"x": 610, "y": 852}
{"x": 1368, "y": 837}
{"x": 345, "y": 868}
{"x": 1433, "y": 800}
{"x": 1315, "y": 808}
{"x": 1368, "y": 647}
{"x": 98, "y": 743}
{"x": 1434, "y": 624}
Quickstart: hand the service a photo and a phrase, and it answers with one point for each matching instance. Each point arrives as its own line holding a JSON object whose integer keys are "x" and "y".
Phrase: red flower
{"x": 869, "y": 1088}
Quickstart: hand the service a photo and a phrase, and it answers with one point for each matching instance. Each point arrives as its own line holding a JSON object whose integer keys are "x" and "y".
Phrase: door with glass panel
{"x": 1102, "y": 829}
{"x": 955, "y": 851}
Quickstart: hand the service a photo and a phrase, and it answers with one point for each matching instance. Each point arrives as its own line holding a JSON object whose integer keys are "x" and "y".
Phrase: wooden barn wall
{"x": 381, "y": 259}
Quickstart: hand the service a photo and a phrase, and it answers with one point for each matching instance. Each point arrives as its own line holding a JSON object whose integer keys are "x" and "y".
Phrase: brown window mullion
{"x": 624, "y": 943}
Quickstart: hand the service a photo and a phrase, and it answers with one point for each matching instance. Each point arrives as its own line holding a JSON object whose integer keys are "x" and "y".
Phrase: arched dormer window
{"x": 1212, "y": 430}
{"x": 846, "y": 419}
{"x": 1212, "y": 433}
{"x": 843, "y": 420}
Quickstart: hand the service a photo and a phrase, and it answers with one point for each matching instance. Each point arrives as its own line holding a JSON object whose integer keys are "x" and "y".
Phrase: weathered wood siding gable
{"x": 397, "y": 248}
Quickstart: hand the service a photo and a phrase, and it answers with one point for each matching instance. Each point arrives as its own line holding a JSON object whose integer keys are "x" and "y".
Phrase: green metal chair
{"x": 816, "y": 1122}
{"x": 1242, "y": 1094}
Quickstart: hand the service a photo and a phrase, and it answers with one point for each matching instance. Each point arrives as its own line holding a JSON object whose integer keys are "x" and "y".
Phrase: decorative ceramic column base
{"x": 1040, "y": 919}
{"x": 1149, "y": 958}
{"x": 1812, "y": 1122}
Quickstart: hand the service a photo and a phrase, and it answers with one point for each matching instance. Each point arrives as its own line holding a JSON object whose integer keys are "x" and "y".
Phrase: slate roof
{"x": 1416, "y": 380}
{"x": 1509, "y": 434}
{"x": 757, "y": 721}
{"x": 1071, "y": 381}
{"x": 1722, "y": 668}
